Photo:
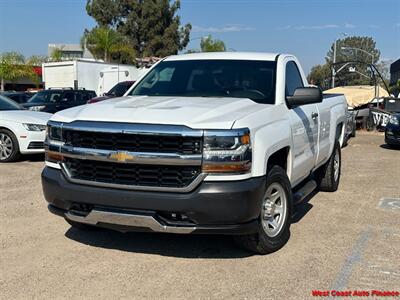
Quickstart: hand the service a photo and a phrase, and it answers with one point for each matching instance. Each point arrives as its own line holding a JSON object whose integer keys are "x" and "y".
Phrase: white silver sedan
{"x": 21, "y": 131}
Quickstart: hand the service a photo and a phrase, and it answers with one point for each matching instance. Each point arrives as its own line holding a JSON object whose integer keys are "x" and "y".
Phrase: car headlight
{"x": 394, "y": 120}
{"x": 37, "y": 108}
{"x": 227, "y": 152}
{"x": 34, "y": 127}
{"x": 53, "y": 142}
{"x": 53, "y": 131}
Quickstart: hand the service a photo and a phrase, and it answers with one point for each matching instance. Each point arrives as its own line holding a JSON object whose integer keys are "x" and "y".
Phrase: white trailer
{"x": 84, "y": 74}
{"x": 110, "y": 76}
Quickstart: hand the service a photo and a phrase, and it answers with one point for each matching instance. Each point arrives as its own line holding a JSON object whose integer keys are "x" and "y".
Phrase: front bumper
{"x": 31, "y": 138}
{"x": 213, "y": 207}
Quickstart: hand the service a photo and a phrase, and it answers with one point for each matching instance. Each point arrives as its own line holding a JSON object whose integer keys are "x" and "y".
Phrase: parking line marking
{"x": 389, "y": 203}
{"x": 353, "y": 259}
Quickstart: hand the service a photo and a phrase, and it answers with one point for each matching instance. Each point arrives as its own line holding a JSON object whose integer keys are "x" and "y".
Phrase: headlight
{"x": 34, "y": 127}
{"x": 394, "y": 120}
{"x": 53, "y": 131}
{"x": 53, "y": 142}
{"x": 37, "y": 108}
{"x": 227, "y": 152}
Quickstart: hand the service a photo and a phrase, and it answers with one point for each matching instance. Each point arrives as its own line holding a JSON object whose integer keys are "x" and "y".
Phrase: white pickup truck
{"x": 223, "y": 143}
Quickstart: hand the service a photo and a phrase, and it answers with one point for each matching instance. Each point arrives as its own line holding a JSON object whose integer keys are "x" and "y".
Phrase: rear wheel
{"x": 9, "y": 147}
{"x": 275, "y": 213}
{"x": 328, "y": 176}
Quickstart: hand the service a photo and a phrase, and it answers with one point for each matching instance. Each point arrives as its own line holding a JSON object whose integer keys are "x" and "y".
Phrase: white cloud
{"x": 373, "y": 26}
{"x": 349, "y": 25}
{"x": 226, "y": 28}
{"x": 317, "y": 27}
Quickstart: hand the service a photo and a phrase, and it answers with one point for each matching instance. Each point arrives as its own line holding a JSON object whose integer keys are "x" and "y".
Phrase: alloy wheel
{"x": 274, "y": 209}
{"x": 336, "y": 165}
{"x": 6, "y": 146}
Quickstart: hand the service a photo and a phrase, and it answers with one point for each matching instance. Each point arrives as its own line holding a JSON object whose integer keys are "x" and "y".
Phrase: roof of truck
{"x": 225, "y": 55}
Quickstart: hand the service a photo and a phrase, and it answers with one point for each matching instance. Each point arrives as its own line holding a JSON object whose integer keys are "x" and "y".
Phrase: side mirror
{"x": 305, "y": 95}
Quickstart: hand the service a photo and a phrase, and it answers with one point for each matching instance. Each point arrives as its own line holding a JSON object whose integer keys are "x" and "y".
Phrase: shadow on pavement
{"x": 174, "y": 245}
{"x": 32, "y": 157}
{"x": 390, "y": 147}
{"x": 301, "y": 209}
{"x": 186, "y": 246}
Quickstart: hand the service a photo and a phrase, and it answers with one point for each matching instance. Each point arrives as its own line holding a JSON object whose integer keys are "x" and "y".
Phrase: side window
{"x": 69, "y": 96}
{"x": 84, "y": 96}
{"x": 293, "y": 78}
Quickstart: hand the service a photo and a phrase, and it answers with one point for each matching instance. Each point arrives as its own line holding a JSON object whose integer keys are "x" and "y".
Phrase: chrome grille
{"x": 131, "y": 174}
{"x": 133, "y": 142}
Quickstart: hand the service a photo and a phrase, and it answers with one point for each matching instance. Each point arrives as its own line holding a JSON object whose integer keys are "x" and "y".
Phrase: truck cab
{"x": 222, "y": 143}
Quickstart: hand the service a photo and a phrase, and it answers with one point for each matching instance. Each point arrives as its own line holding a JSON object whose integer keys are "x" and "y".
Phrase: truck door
{"x": 304, "y": 122}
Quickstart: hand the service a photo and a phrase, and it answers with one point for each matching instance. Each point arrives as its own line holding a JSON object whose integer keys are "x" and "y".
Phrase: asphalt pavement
{"x": 343, "y": 241}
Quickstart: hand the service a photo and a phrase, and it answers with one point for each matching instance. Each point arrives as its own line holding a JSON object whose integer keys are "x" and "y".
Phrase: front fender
{"x": 267, "y": 141}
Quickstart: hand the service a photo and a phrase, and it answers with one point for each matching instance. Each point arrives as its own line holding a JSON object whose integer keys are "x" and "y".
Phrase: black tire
{"x": 325, "y": 176}
{"x": 81, "y": 226}
{"x": 346, "y": 140}
{"x": 353, "y": 130}
{"x": 15, "y": 154}
{"x": 261, "y": 242}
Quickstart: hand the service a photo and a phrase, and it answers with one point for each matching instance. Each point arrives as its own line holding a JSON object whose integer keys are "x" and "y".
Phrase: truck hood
{"x": 194, "y": 112}
{"x": 25, "y": 116}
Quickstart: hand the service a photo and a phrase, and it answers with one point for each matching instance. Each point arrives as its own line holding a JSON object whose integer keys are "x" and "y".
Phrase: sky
{"x": 305, "y": 28}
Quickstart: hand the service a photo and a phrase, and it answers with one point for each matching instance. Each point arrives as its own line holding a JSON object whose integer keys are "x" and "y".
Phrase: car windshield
{"x": 46, "y": 97}
{"x": 211, "y": 78}
{"x": 119, "y": 89}
{"x": 8, "y": 104}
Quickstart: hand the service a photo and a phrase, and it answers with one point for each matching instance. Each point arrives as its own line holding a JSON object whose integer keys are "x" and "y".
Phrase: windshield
{"x": 211, "y": 78}
{"x": 120, "y": 89}
{"x": 46, "y": 97}
{"x": 8, "y": 104}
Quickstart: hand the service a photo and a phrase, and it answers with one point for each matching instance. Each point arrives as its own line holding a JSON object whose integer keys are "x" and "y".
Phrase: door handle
{"x": 314, "y": 116}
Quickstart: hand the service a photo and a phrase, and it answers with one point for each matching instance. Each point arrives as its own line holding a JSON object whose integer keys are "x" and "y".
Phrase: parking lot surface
{"x": 348, "y": 240}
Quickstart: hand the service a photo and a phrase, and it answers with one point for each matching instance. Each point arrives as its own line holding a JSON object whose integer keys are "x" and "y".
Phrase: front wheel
{"x": 9, "y": 148}
{"x": 275, "y": 214}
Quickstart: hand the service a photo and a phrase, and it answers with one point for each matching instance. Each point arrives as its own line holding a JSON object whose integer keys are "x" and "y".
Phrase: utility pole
{"x": 334, "y": 60}
{"x": 333, "y": 66}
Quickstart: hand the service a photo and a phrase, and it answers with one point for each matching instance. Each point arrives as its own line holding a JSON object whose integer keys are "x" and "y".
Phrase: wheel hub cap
{"x": 274, "y": 209}
{"x": 6, "y": 146}
{"x": 336, "y": 165}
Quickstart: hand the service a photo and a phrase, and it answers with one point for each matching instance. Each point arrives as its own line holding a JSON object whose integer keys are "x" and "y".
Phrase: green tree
{"x": 352, "y": 48}
{"x": 13, "y": 67}
{"x": 152, "y": 26}
{"x": 56, "y": 54}
{"x": 37, "y": 60}
{"x": 320, "y": 76}
{"x": 347, "y": 49}
{"x": 208, "y": 44}
{"x": 106, "y": 43}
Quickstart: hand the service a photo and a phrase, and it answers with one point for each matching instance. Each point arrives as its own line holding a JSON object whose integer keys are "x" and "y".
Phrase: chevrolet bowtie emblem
{"x": 121, "y": 156}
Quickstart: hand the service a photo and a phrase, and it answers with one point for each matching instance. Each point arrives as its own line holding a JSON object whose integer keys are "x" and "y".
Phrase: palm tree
{"x": 104, "y": 43}
{"x": 13, "y": 67}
